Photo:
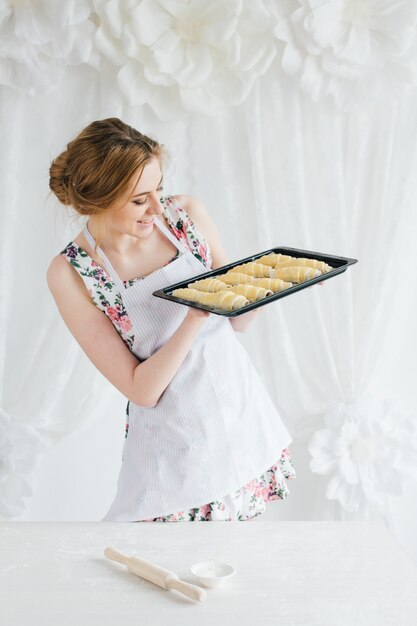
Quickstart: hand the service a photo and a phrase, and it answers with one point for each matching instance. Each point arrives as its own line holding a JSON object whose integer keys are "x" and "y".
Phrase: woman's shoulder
{"x": 202, "y": 229}
{"x": 187, "y": 216}
{"x": 57, "y": 266}
{"x": 180, "y": 210}
{"x": 71, "y": 257}
{"x": 59, "y": 275}
{"x": 174, "y": 205}
{"x": 185, "y": 208}
{"x": 181, "y": 202}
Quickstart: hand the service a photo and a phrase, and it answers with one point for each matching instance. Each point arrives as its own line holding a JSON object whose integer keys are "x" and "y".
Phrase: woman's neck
{"x": 121, "y": 244}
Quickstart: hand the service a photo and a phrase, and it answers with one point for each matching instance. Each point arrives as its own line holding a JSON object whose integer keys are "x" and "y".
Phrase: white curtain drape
{"x": 278, "y": 169}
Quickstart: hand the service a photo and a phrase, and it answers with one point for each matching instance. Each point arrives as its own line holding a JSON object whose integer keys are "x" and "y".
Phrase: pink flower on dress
{"x": 125, "y": 323}
{"x": 205, "y": 509}
{"x": 113, "y": 313}
{"x": 252, "y": 484}
{"x": 265, "y": 493}
{"x": 183, "y": 238}
{"x": 261, "y": 491}
{"x": 178, "y": 233}
{"x": 202, "y": 252}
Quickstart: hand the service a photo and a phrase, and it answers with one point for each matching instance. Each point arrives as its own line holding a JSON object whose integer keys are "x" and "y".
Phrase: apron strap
{"x": 107, "y": 263}
{"x": 177, "y": 243}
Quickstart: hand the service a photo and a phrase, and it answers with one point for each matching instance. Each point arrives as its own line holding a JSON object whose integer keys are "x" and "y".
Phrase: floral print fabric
{"x": 249, "y": 500}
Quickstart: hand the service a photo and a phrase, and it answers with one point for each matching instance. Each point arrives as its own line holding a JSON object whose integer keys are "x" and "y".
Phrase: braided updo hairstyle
{"x": 97, "y": 166}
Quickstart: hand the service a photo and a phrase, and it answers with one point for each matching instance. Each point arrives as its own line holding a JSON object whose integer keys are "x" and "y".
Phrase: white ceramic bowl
{"x": 212, "y": 573}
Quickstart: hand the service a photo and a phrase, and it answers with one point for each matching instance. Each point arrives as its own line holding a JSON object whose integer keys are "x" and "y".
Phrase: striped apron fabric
{"x": 214, "y": 427}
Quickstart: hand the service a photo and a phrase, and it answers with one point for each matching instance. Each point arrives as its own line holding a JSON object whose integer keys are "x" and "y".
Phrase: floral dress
{"x": 249, "y": 500}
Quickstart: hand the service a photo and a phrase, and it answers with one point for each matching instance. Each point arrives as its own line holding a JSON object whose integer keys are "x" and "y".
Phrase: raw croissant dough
{"x": 250, "y": 282}
{"x": 296, "y": 273}
{"x": 319, "y": 265}
{"x": 251, "y": 292}
{"x": 283, "y": 260}
{"x": 226, "y": 299}
{"x": 208, "y": 284}
{"x": 253, "y": 269}
{"x": 273, "y": 259}
{"x": 235, "y": 278}
{"x": 295, "y": 269}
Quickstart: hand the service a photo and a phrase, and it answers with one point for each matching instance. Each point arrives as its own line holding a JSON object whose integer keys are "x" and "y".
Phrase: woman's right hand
{"x": 194, "y": 313}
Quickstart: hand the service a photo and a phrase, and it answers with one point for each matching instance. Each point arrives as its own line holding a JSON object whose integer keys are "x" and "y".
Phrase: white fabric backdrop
{"x": 276, "y": 170}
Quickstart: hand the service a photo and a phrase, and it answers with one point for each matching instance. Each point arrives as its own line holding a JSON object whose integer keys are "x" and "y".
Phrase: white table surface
{"x": 288, "y": 574}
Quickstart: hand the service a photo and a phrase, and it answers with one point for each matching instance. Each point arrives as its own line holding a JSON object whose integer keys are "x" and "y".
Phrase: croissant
{"x": 253, "y": 269}
{"x": 250, "y": 292}
{"x": 208, "y": 284}
{"x": 226, "y": 300}
{"x": 319, "y": 265}
{"x": 235, "y": 278}
{"x": 275, "y": 284}
{"x": 296, "y": 274}
{"x": 273, "y": 259}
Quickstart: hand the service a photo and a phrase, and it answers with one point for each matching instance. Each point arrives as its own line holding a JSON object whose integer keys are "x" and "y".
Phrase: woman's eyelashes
{"x": 145, "y": 201}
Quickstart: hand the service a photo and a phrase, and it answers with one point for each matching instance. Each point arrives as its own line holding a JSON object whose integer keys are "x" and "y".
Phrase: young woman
{"x": 203, "y": 439}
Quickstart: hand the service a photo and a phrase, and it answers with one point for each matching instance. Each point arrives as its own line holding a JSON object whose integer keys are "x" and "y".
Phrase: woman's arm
{"x": 198, "y": 214}
{"x": 142, "y": 382}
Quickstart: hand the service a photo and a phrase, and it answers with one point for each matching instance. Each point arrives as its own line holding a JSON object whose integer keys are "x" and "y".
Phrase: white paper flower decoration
{"x": 186, "y": 57}
{"x": 368, "y": 448}
{"x": 21, "y": 449}
{"x": 355, "y": 50}
{"x": 39, "y": 37}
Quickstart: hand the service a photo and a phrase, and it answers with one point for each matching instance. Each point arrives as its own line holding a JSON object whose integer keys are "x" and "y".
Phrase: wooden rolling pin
{"x": 156, "y": 574}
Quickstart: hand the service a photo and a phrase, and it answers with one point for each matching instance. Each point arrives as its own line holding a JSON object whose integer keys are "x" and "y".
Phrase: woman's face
{"x": 140, "y": 204}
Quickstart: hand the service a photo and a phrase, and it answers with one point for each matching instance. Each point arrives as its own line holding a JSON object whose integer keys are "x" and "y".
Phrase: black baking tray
{"x": 339, "y": 264}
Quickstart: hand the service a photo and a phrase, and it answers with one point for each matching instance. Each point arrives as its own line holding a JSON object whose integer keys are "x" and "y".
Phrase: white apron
{"x": 214, "y": 427}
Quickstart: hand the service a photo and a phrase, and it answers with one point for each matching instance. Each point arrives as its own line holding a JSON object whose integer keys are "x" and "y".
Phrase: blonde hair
{"x": 96, "y": 168}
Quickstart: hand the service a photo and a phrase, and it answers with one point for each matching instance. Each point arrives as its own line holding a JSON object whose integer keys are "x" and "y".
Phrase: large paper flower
{"x": 183, "y": 57}
{"x": 21, "y": 449}
{"x": 368, "y": 448}
{"x": 38, "y": 38}
{"x": 355, "y": 50}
